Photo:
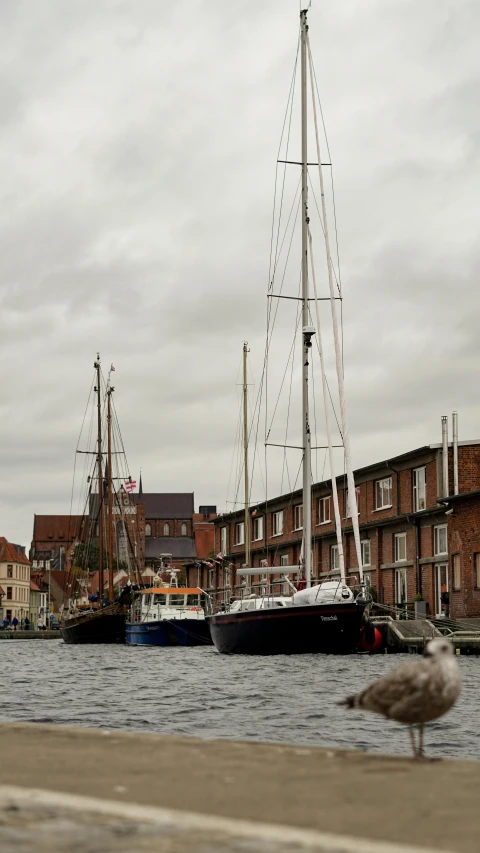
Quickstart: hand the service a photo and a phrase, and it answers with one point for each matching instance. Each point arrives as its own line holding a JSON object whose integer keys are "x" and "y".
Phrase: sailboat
{"x": 101, "y": 619}
{"x": 326, "y": 617}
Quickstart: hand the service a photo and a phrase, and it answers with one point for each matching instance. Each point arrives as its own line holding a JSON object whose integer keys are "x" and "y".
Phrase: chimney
{"x": 445, "y": 455}
{"x": 455, "y": 452}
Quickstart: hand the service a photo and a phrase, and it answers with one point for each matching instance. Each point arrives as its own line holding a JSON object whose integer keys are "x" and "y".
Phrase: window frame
{"x": 258, "y": 523}
{"x": 436, "y": 536}
{"x": 298, "y": 511}
{"x": 476, "y": 565}
{"x": 379, "y": 483}
{"x": 223, "y": 540}
{"x": 334, "y": 558}
{"x": 325, "y": 501}
{"x": 239, "y": 531}
{"x": 417, "y": 489}
{"x": 362, "y": 543}
{"x": 284, "y": 557}
{"x": 278, "y": 515}
{"x": 456, "y": 572}
{"x": 399, "y": 537}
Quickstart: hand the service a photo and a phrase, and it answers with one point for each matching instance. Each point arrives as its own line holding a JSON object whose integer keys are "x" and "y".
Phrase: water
{"x": 197, "y": 692}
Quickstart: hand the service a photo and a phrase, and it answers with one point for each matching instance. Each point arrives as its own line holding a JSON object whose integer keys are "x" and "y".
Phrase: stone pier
{"x": 73, "y": 789}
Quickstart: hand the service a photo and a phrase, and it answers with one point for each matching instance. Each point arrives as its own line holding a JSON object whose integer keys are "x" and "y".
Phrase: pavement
{"x": 109, "y": 790}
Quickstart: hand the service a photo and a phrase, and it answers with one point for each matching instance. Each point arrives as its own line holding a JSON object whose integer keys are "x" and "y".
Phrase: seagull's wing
{"x": 397, "y": 694}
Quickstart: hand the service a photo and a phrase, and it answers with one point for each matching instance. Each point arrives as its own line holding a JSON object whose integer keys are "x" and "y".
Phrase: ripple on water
{"x": 198, "y": 692}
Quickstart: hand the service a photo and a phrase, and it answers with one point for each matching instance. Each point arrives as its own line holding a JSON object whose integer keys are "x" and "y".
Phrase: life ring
{"x": 371, "y": 639}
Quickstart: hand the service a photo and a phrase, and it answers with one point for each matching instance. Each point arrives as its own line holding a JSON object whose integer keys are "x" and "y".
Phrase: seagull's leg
{"x": 412, "y": 741}
{"x": 420, "y": 753}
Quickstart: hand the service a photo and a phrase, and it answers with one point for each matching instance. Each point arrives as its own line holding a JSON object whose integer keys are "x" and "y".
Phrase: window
{"x": 383, "y": 493}
{"x": 263, "y": 563}
{"x": 9, "y": 593}
{"x": 184, "y": 529}
{"x": 334, "y": 558}
{"x": 419, "y": 489}
{"x": 457, "y": 581}
{"x": 367, "y": 579}
{"x": 366, "y": 556}
{"x": 400, "y": 587}
{"x": 476, "y": 565}
{"x": 223, "y": 540}
{"x": 148, "y": 530}
{"x": 298, "y": 517}
{"x": 284, "y": 560}
{"x": 226, "y": 574}
{"x": 277, "y": 523}
{"x": 324, "y": 510}
{"x": 211, "y": 577}
{"x": 258, "y": 528}
{"x": 166, "y": 529}
{"x": 9, "y": 571}
{"x": 440, "y": 539}
{"x": 400, "y": 547}
{"x": 239, "y": 533}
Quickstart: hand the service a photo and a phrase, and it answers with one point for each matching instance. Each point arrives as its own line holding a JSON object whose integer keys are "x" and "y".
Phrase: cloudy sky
{"x": 138, "y": 148}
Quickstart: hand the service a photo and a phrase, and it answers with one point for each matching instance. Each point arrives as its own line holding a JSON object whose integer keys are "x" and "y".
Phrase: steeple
{"x": 140, "y": 490}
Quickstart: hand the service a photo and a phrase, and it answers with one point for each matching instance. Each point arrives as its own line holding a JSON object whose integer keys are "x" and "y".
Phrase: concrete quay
{"x": 10, "y": 634}
{"x": 110, "y": 790}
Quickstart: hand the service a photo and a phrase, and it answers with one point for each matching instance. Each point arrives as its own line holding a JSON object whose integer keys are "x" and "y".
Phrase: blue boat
{"x": 168, "y": 616}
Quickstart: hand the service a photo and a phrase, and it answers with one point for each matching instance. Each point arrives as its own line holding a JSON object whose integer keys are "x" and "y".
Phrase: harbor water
{"x": 197, "y": 692}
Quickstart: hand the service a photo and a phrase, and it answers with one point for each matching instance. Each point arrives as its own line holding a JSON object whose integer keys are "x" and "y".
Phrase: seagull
{"x": 416, "y": 692}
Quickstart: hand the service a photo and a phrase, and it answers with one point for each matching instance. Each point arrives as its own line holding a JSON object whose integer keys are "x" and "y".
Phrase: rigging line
{"x": 314, "y": 410}
{"x": 338, "y": 523}
{"x": 78, "y": 442}
{"x": 270, "y": 324}
{"x": 338, "y": 354}
{"x": 235, "y": 442}
{"x": 321, "y": 225}
{"x": 331, "y": 171}
{"x": 279, "y": 545}
{"x": 290, "y": 390}
{"x": 277, "y": 257}
{"x": 290, "y": 101}
{"x": 334, "y": 205}
{"x": 292, "y": 347}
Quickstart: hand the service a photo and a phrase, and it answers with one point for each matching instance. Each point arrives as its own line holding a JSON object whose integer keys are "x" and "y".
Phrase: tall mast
{"x": 100, "y": 479}
{"x": 307, "y": 330}
{"x": 109, "y": 494}
{"x": 245, "y": 455}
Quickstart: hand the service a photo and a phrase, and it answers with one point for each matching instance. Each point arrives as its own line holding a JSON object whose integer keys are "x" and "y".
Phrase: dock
{"x": 66, "y": 788}
{"x": 410, "y": 636}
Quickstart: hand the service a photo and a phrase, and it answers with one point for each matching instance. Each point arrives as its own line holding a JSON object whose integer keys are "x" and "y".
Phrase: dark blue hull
{"x": 181, "y": 632}
{"x": 300, "y": 630}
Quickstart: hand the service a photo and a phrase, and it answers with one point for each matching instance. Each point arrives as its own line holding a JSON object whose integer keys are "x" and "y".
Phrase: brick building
{"x": 417, "y": 536}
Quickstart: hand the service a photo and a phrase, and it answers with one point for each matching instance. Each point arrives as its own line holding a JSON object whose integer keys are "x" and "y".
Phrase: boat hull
{"x": 102, "y": 627}
{"x": 298, "y": 630}
{"x": 171, "y": 632}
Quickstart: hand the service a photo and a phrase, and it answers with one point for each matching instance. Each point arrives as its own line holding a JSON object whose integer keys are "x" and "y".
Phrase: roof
{"x": 2, "y": 591}
{"x": 173, "y": 590}
{"x": 56, "y": 527}
{"x": 34, "y": 587}
{"x": 9, "y": 551}
{"x": 180, "y": 547}
{"x": 166, "y": 505}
